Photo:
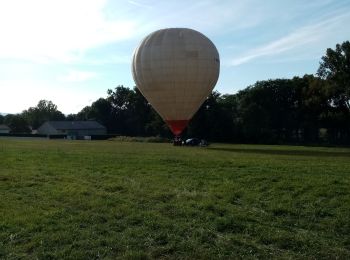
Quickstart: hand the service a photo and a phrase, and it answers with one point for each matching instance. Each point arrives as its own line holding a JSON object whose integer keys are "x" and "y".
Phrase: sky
{"x": 72, "y": 51}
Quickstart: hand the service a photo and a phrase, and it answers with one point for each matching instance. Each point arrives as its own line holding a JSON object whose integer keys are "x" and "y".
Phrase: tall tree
{"x": 272, "y": 111}
{"x": 120, "y": 99}
{"x": 17, "y": 123}
{"x": 101, "y": 110}
{"x": 230, "y": 130}
{"x": 208, "y": 122}
{"x": 44, "y": 111}
{"x": 71, "y": 117}
{"x": 142, "y": 114}
{"x": 335, "y": 68}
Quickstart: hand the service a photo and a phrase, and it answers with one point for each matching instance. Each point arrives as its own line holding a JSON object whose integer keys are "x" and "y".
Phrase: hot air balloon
{"x": 176, "y": 69}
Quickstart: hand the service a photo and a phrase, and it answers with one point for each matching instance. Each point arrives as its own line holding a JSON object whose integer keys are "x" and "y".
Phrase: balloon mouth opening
{"x": 177, "y": 126}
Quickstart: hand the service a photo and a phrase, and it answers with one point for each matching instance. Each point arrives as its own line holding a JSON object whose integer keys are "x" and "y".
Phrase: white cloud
{"x": 139, "y": 4}
{"x": 207, "y": 16}
{"x": 307, "y": 35}
{"x": 22, "y": 94}
{"x": 64, "y": 30}
{"x": 281, "y": 45}
{"x": 117, "y": 59}
{"x": 78, "y": 76}
{"x": 43, "y": 30}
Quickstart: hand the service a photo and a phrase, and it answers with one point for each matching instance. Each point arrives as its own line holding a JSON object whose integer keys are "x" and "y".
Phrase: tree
{"x": 335, "y": 68}
{"x": 44, "y": 111}
{"x": 141, "y": 114}
{"x": 310, "y": 105}
{"x": 120, "y": 99}
{"x": 1, "y": 119}
{"x": 230, "y": 130}
{"x": 71, "y": 117}
{"x": 101, "y": 110}
{"x": 84, "y": 114}
{"x": 17, "y": 123}
{"x": 267, "y": 110}
{"x": 133, "y": 114}
{"x": 210, "y": 121}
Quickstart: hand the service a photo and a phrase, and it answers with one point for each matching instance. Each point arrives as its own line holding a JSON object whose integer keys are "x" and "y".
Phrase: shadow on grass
{"x": 284, "y": 152}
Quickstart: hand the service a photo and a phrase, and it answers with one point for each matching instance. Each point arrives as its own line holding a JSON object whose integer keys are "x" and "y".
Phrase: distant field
{"x": 108, "y": 199}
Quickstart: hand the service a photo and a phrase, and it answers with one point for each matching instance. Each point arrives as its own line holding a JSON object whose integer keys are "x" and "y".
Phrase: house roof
{"x": 75, "y": 125}
{"x": 4, "y": 127}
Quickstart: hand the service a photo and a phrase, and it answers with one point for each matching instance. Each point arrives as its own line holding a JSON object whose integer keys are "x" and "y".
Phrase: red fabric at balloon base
{"x": 177, "y": 126}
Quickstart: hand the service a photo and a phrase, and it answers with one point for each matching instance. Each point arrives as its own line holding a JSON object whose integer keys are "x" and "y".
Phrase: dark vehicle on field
{"x": 196, "y": 142}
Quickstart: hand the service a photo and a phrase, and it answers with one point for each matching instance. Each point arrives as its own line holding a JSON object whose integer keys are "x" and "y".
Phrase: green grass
{"x": 108, "y": 199}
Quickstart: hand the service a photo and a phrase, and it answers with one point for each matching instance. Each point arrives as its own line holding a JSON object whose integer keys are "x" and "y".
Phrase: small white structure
{"x": 4, "y": 129}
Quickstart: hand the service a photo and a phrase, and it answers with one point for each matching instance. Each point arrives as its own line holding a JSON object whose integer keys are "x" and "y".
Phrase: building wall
{"x": 47, "y": 129}
{"x": 86, "y": 132}
{"x": 4, "y": 131}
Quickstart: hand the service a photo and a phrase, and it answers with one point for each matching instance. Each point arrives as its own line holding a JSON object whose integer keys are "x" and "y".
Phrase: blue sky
{"x": 72, "y": 51}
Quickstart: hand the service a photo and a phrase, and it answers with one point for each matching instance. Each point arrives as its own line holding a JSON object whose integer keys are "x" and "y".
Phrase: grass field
{"x": 109, "y": 199}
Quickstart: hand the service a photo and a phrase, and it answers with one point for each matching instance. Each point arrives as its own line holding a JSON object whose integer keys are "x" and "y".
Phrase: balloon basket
{"x": 177, "y": 140}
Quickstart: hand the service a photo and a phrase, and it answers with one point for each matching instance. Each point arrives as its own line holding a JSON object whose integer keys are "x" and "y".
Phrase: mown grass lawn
{"x": 108, "y": 199}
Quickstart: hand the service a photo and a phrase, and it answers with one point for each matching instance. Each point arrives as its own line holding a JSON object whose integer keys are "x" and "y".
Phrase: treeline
{"x": 308, "y": 109}
{"x": 32, "y": 118}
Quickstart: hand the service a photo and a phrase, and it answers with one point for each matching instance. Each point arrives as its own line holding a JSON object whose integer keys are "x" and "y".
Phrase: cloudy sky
{"x": 72, "y": 51}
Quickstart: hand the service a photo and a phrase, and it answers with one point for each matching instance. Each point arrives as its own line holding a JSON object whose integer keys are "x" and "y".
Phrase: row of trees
{"x": 33, "y": 117}
{"x": 307, "y": 109}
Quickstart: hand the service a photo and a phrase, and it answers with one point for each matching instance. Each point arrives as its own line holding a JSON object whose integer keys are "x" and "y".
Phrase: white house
{"x": 4, "y": 129}
{"x": 72, "y": 128}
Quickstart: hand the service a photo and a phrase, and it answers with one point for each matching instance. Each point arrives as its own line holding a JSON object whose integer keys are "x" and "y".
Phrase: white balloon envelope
{"x": 176, "y": 69}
